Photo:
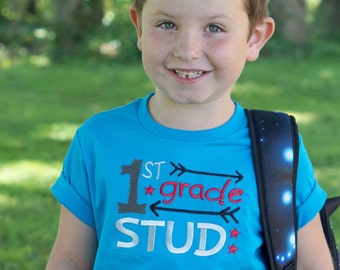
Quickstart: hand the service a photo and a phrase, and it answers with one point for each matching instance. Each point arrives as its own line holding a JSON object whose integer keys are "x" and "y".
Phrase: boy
{"x": 167, "y": 182}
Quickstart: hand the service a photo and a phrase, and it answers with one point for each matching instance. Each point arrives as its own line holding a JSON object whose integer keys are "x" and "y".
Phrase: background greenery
{"x": 53, "y": 77}
{"x": 68, "y": 29}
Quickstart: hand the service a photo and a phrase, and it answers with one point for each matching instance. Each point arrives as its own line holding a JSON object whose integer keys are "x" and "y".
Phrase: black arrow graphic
{"x": 224, "y": 213}
{"x": 181, "y": 169}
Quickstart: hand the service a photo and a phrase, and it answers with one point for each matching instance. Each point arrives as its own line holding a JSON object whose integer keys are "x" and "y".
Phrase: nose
{"x": 188, "y": 46}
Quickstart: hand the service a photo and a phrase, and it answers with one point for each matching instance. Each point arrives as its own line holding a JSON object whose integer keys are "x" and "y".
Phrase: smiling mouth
{"x": 188, "y": 74}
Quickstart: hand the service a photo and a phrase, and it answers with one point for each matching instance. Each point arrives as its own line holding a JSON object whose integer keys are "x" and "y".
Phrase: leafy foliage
{"x": 69, "y": 29}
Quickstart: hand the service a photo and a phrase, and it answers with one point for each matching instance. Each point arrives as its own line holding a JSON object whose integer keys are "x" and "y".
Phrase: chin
{"x": 191, "y": 100}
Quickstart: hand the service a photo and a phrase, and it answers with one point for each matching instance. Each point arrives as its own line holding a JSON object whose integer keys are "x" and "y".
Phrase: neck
{"x": 191, "y": 116}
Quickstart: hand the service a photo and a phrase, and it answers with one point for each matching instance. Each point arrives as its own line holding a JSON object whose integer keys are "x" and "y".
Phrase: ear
{"x": 259, "y": 37}
{"x": 136, "y": 21}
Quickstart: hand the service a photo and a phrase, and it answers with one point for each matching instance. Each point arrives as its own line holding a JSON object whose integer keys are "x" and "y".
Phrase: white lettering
{"x": 201, "y": 251}
{"x": 120, "y": 226}
{"x": 153, "y": 224}
{"x": 156, "y": 235}
{"x": 188, "y": 243}
{"x": 159, "y": 164}
{"x": 149, "y": 169}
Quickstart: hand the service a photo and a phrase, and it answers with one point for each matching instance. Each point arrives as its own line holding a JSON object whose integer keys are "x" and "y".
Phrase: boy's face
{"x": 194, "y": 50}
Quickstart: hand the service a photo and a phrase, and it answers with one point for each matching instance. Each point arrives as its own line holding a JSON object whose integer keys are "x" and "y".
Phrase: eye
{"x": 213, "y": 28}
{"x": 168, "y": 25}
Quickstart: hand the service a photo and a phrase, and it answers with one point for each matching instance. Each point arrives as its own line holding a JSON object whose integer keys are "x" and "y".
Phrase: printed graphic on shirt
{"x": 219, "y": 190}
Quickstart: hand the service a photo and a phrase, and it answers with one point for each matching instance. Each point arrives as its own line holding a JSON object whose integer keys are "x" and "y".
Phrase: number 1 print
{"x": 132, "y": 205}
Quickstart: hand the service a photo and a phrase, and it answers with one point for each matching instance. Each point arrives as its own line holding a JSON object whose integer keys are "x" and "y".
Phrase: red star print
{"x": 149, "y": 190}
{"x": 234, "y": 233}
{"x": 232, "y": 249}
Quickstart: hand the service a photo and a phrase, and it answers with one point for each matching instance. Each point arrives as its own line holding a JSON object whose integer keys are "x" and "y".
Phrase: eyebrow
{"x": 218, "y": 16}
{"x": 213, "y": 17}
{"x": 163, "y": 13}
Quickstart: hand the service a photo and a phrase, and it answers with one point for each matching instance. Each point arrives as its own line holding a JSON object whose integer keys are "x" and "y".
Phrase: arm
{"x": 312, "y": 249}
{"x": 75, "y": 246}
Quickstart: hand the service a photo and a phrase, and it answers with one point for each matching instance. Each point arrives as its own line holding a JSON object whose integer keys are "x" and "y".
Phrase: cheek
{"x": 156, "y": 40}
{"x": 229, "y": 61}
{"x": 155, "y": 47}
{"x": 228, "y": 51}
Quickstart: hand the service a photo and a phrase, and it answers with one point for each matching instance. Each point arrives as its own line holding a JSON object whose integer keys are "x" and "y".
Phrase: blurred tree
{"x": 328, "y": 20}
{"x": 122, "y": 29}
{"x": 31, "y": 7}
{"x": 89, "y": 16}
{"x": 15, "y": 28}
{"x": 76, "y": 20}
{"x": 80, "y": 27}
{"x": 290, "y": 17}
{"x": 65, "y": 26}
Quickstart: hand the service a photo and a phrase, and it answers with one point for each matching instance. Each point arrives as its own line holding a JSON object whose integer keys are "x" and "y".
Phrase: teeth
{"x": 188, "y": 74}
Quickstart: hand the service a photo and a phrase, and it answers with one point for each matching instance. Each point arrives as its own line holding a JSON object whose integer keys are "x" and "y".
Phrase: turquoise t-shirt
{"x": 161, "y": 198}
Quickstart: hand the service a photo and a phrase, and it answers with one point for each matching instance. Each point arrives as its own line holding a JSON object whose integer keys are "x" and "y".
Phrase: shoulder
{"x": 115, "y": 114}
{"x": 110, "y": 120}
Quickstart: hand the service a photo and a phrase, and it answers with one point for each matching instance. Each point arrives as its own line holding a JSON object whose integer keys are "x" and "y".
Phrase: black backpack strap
{"x": 330, "y": 206}
{"x": 275, "y": 147}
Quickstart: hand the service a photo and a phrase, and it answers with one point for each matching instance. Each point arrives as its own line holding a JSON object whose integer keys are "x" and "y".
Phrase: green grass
{"x": 42, "y": 106}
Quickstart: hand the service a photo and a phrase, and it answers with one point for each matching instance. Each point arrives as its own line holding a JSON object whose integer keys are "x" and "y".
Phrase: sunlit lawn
{"x": 40, "y": 108}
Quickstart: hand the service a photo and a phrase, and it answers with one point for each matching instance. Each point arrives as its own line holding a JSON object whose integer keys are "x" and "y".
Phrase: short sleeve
{"x": 72, "y": 188}
{"x": 310, "y": 196}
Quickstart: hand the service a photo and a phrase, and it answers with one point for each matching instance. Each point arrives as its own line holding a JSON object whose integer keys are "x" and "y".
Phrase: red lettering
{"x": 182, "y": 186}
{"x": 220, "y": 192}
{"x": 200, "y": 194}
{"x": 236, "y": 192}
{"x": 171, "y": 193}
{"x": 171, "y": 189}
